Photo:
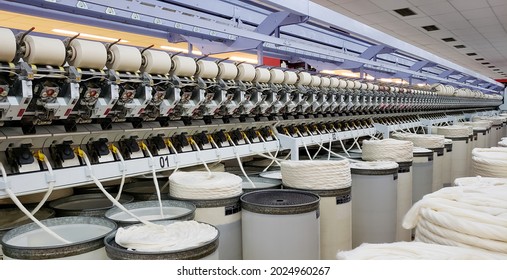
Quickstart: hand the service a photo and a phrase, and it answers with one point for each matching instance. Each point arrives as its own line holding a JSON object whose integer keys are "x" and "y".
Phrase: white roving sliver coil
{"x": 470, "y": 217}
{"x": 490, "y": 162}
{"x": 480, "y": 181}
{"x": 173, "y": 237}
{"x": 502, "y": 143}
{"x": 482, "y": 124}
{"x": 316, "y": 174}
{"x": 428, "y": 141}
{"x": 387, "y": 149}
{"x": 416, "y": 251}
{"x": 204, "y": 185}
{"x": 454, "y": 131}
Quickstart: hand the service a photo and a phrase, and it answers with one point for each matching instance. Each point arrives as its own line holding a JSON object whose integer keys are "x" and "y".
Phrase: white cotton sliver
{"x": 416, "y": 251}
{"x": 204, "y": 185}
{"x": 468, "y": 216}
{"x": 165, "y": 238}
{"x": 440, "y": 235}
{"x": 428, "y": 141}
{"x": 387, "y": 149}
{"x": 316, "y": 174}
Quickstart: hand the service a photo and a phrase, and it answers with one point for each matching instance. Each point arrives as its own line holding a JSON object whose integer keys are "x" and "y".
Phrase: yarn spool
{"x": 490, "y": 162}
{"x": 401, "y": 152}
{"x": 374, "y": 211}
{"x": 422, "y": 176}
{"x": 331, "y": 180}
{"x": 460, "y": 139}
{"x": 216, "y": 196}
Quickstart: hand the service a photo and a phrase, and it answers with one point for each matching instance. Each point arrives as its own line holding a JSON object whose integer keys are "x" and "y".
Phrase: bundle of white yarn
{"x": 374, "y": 165}
{"x": 428, "y": 141}
{"x": 469, "y": 217}
{"x": 502, "y": 143}
{"x": 455, "y": 131}
{"x": 316, "y": 174}
{"x": 416, "y": 251}
{"x": 494, "y": 120}
{"x": 204, "y": 185}
{"x": 387, "y": 149}
{"x": 480, "y": 181}
{"x": 165, "y": 238}
{"x": 480, "y": 124}
{"x": 490, "y": 162}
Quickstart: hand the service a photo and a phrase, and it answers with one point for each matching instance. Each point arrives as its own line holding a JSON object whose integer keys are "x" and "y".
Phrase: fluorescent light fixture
{"x": 176, "y": 49}
{"x": 327, "y": 72}
{"x": 347, "y": 73}
{"x": 244, "y": 59}
{"x": 85, "y": 35}
{"x": 385, "y": 80}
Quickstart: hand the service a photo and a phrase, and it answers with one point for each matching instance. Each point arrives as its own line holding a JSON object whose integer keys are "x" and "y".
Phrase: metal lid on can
{"x": 280, "y": 202}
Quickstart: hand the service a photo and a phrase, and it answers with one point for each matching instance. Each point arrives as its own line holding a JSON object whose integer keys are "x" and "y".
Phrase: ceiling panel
{"x": 479, "y": 25}
{"x": 437, "y": 8}
{"x": 361, "y": 7}
{"x": 469, "y": 4}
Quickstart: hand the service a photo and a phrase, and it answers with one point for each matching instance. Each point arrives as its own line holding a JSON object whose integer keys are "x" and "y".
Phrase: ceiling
{"x": 475, "y": 30}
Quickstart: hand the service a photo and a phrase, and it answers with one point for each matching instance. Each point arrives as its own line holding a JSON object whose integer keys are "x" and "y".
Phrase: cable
{"x": 25, "y": 211}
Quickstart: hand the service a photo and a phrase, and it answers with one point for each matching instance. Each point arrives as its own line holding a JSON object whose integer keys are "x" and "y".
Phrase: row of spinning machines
{"x": 90, "y": 94}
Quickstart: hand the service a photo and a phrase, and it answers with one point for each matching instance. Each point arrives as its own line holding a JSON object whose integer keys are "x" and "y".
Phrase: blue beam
{"x": 416, "y": 67}
{"x": 320, "y": 65}
{"x": 368, "y": 54}
{"x": 267, "y": 27}
{"x": 447, "y": 73}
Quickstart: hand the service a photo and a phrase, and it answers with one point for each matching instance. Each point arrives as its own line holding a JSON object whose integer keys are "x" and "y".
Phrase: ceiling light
{"x": 430, "y": 28}
{"x": 182, "y": 50}
{"x": 471, "y": 53}
{"x": 450, "y": 39}
{"x": 327, "y": 72}
{"x": 479, "y": 59}
{"x": 405, "y": 12}
{"x": 85, "y": 35}
{"x": 460, "y": 46}
{"x": 244, "y": 59}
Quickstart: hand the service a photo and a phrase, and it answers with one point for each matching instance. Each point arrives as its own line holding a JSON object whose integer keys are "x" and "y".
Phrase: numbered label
{"x": 164, "y": 161}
